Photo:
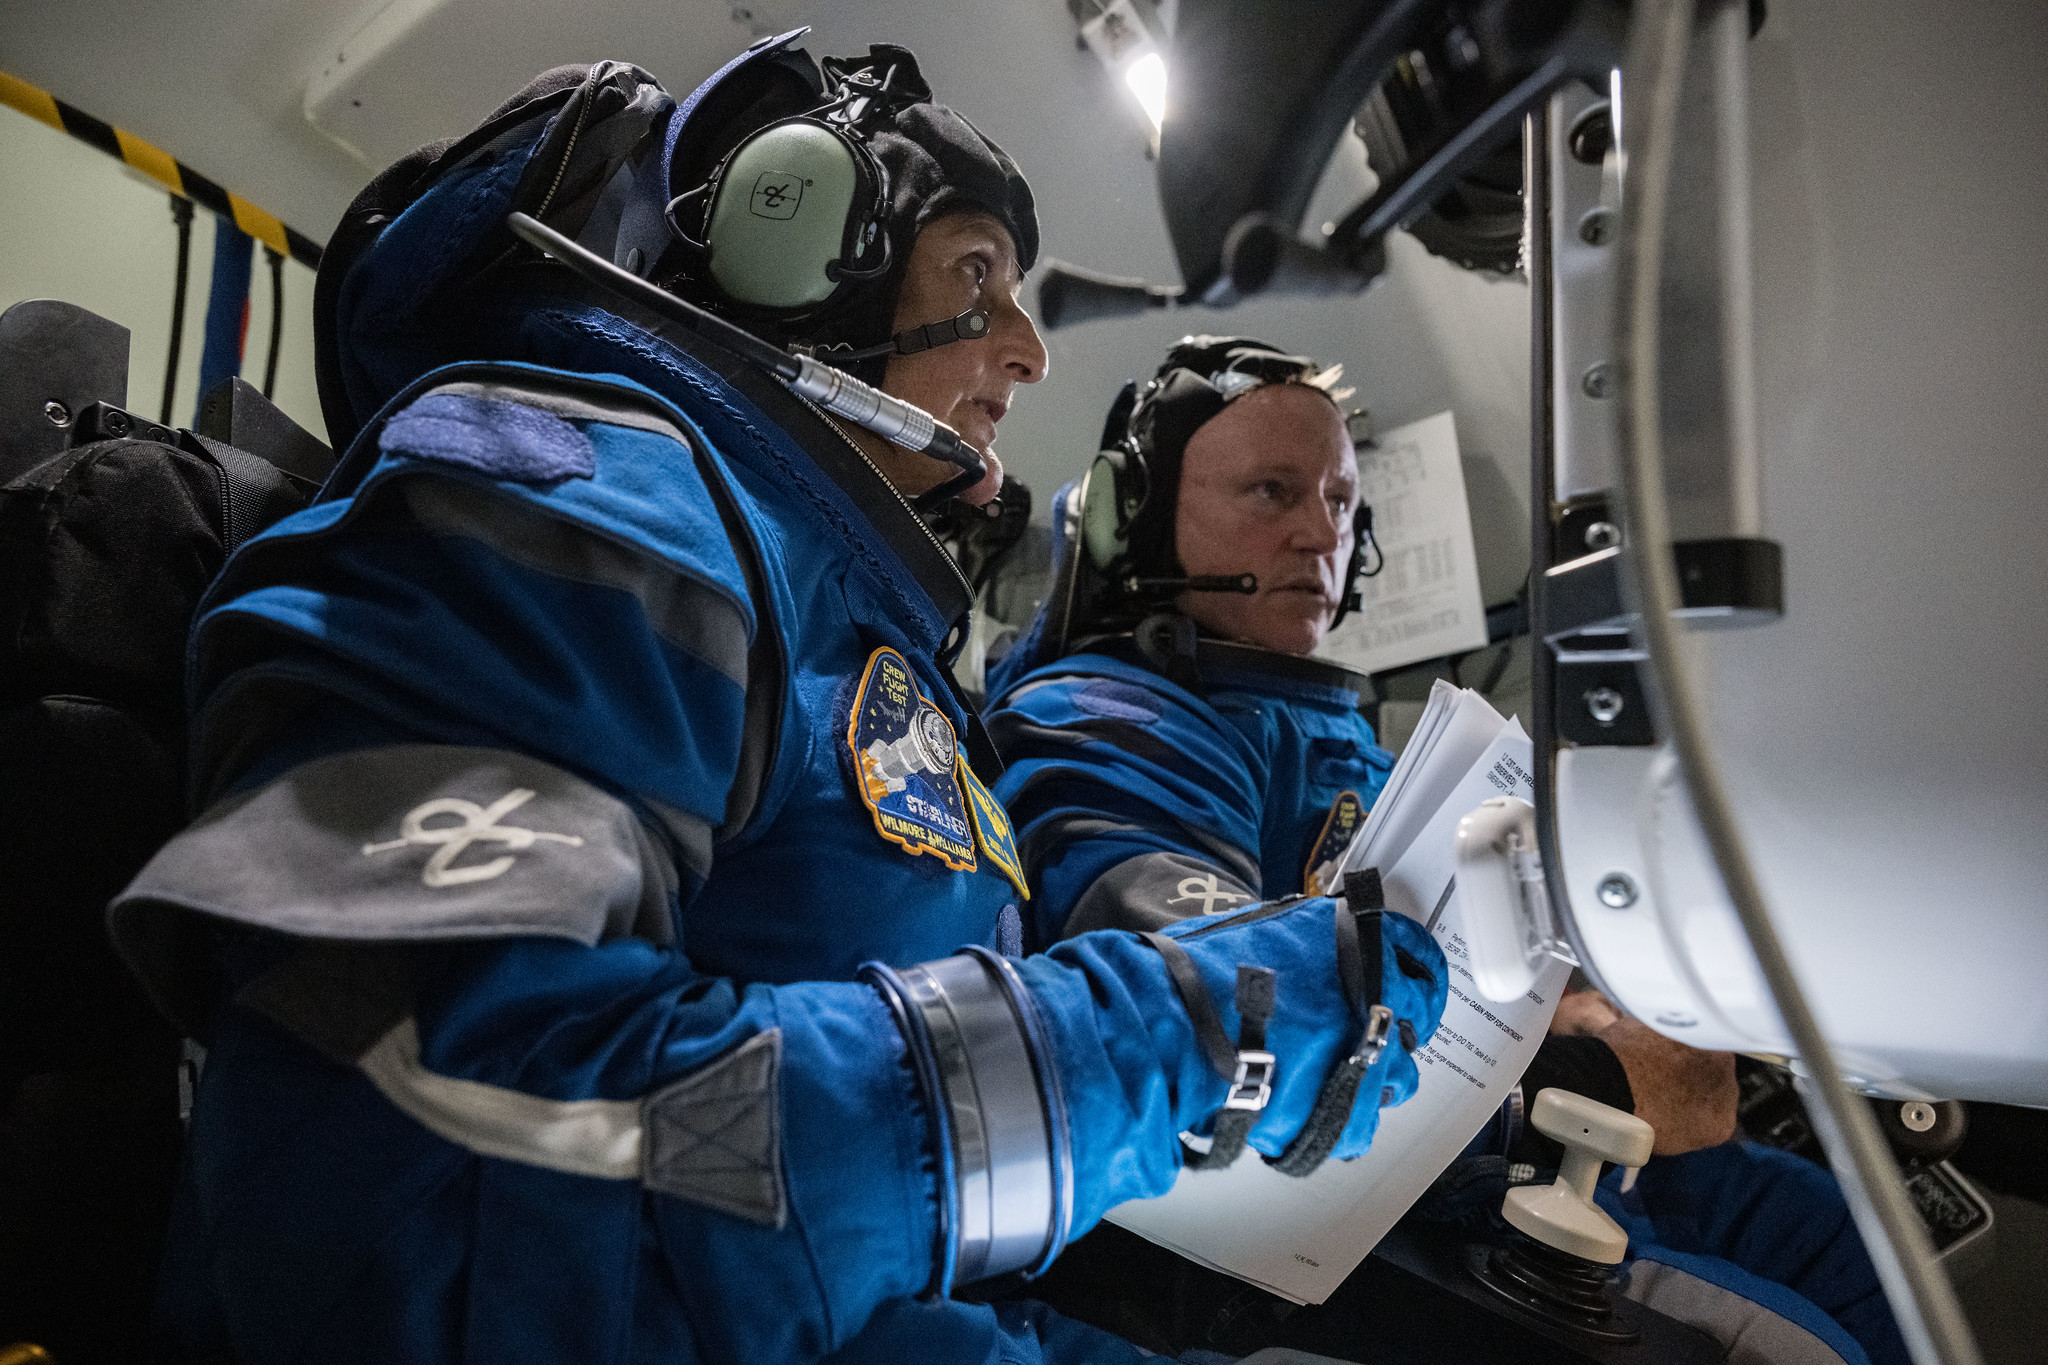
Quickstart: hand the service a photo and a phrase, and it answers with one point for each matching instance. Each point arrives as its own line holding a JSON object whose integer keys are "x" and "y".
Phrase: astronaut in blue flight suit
{"x": 1174, "y": 753}
{"x": 589, "y": 829}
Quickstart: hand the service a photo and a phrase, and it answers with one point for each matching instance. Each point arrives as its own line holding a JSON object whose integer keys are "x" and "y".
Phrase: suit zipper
{"x": 1251, "y": 916}
{"x": 888, "y": 483}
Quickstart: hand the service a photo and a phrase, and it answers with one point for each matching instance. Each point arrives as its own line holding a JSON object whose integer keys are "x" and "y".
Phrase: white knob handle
{"x": 1563, "y": 1215}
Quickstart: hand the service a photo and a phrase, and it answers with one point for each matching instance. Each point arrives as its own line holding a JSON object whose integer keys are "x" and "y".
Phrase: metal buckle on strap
{"x": 1250, "y": 1089}
{"x": 1378, "y": 1021}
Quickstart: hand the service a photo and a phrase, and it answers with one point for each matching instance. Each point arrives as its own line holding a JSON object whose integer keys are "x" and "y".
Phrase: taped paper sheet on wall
{"x": 1426, "y": 602}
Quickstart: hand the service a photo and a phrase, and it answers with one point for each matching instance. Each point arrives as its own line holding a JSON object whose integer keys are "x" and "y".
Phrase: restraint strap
{"x": 1361, "y": 962}
{"x": 1251, "y": 1081}
{"x": 1246, "y": 1064}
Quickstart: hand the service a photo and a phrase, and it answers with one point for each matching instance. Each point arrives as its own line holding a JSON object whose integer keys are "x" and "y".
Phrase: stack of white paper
{"x": 1300, "y": 1238}
{"x": 1456, "y": 727}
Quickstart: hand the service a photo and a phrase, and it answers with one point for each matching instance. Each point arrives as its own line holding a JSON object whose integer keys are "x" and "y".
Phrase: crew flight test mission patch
{"x": 909, "y": 763}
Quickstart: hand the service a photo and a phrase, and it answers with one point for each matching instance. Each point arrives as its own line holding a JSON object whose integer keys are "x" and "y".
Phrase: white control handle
{"x": 1563, "y": 1215}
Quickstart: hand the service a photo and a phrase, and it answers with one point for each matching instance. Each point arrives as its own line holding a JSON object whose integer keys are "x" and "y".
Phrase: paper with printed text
{"x": 1426, "y": 601}
{"x": 1300, "y": 1238}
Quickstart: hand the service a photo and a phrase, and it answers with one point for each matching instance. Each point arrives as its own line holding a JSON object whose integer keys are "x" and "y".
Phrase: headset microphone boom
{"x": 834, "y": 390}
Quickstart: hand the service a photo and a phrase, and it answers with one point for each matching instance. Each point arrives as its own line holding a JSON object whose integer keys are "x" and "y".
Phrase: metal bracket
{"x": 1251, "y": 1089}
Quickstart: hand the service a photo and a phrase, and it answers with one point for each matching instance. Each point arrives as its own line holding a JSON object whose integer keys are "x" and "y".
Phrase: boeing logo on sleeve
{"x": 478, "y": 824}
{"x": 1205, "y": 890}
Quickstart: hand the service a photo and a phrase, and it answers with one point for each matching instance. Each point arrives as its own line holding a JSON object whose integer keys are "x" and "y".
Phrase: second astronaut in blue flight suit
{"x": 589, "y": 828}
{"x": 1175, "y": 753}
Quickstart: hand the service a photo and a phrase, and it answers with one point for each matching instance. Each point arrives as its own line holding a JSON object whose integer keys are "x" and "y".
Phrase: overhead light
{"x": 1127, "y": 38}
{"x": 1147, "y": 79}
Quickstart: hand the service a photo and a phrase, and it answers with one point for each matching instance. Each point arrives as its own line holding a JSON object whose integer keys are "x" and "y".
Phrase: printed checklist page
{"x": 1301, "y": 1237}
{"x": 1425, "y": 602}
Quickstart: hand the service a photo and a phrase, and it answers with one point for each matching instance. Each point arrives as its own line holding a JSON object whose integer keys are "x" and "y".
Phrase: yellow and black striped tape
{"x": 160, "y": 166}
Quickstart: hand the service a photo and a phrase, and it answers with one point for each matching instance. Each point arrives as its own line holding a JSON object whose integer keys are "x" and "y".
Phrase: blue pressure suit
{"x": 559, "y": 770}
{"x": 1139, "y": 801}
{"x": 1155, "y": 778}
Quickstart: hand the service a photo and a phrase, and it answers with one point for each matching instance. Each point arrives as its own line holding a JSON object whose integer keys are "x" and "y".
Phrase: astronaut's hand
{"x": 1342, "y": 1050}
{"x": 1687, "y": 1095}
{"x": 1058, "y": 1086}
{"x": 1583, "y": 1013}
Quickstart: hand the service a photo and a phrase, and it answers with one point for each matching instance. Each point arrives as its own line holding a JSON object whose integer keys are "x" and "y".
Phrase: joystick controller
{"x": 1558, "y": 1270}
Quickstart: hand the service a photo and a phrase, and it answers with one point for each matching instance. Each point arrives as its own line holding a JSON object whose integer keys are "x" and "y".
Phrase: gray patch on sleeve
{"x": 1750, "y": 1333}
{"x": 1154, "y": 890}
{"x": 715, "y": 1136}
{"x": 401, "y": 844}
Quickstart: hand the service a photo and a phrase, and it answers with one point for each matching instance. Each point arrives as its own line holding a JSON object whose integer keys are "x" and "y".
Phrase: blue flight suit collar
{"x": 1205, "y": 664}
{"x": 892, "y": 539}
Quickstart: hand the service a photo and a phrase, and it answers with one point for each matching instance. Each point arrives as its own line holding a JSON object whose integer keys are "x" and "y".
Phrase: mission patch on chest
{"x": 1319, "y": 875}
{"x": 909, "y": 764}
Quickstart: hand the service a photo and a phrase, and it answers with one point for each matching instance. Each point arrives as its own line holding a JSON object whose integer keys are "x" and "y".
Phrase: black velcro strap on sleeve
{"x": 1255, "y": 995}
{"x": 1362, "y": 889}
{"x": 1201, "y": 1009}
{"x": 1372, "y": 962}
{"x": 1254, "y": 1006}
{"x": 1361, "y": 959}
{"x": 1318, "y": 1137}
{"x": 1233, "y": 1129}
{"x": 1350, "y": 960}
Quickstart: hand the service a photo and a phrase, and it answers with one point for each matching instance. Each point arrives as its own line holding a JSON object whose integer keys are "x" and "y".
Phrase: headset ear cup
{"x": 1102, "y": 530}
{"x": 1134, "y": 491}
{"x": 788, "y": 215}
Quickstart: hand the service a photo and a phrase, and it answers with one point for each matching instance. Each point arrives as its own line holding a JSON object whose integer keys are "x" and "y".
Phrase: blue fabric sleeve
{"x": 1108, "y": 763}
{"x": 473, "y": 611}
{"x": 444, "y": 611}
{"x": 1135, "y": 1077}
{"x": 1772, "y": 1214}
{"x": 1019, "y": 1333}
{"x": 338, "y": 1225}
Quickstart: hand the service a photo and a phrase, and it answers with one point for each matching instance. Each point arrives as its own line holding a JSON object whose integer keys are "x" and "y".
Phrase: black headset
{"x": 1121, "y": 486}
{"x": 795, "y": 216}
